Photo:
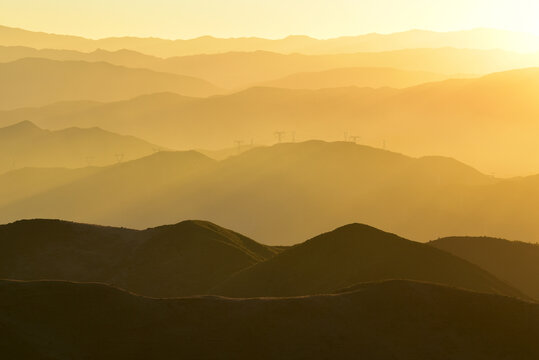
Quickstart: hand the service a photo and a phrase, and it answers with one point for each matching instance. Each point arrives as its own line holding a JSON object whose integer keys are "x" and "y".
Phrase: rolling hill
{"x": 475, "y": 39}
{"x": 355, "y": 254}
{"x": 37, "y": 82}
{"x": 514, "y": 262}
{"x": 269, "y": 193}
{"x": 26, "y": 145}
{"x": 67, "y": 320}
{"x": 283, "y": 194}
{"x": 168, "y": 261}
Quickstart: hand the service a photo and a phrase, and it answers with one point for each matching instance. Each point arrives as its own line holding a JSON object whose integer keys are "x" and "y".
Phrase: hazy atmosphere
{"x": 269, "y": 180}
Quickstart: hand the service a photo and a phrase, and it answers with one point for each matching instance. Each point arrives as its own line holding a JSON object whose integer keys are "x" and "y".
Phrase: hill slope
{"x": 515, "y": 262}
{"x": 169, "y": 261}
{"x": 354, "y": 254}
{"x": 279, "y": 195}
{"x": 38, "y": 82}
{"x": 65, "y": 321}
{"x": 26, "y": 145}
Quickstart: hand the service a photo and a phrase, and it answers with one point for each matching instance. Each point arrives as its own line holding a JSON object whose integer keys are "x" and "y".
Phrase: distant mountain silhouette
{"x": 477, "y": 39}
{"x": 515, "y": 262}
{"x": 355, "y": 254}
{"x": 122, "y": 57}
{"x": 269, "y": 192}
{"x": 130, "y": 116}
{"x": 255, "y": 113}
{"x": 434, "y": 117}
{"x": 38, "y": 82}
{"x": 236, "y": 70}
{"x": 38, "y": 114}
{"x": 26, "y": 145}
{"x": 168, "y": 261}
{"x": 361, "y": 77}
{"x": 396, "y": 319}
{"x": 242, "y": 69}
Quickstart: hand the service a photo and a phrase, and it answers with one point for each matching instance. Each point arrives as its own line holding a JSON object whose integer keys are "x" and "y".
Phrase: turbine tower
{"x": 279, "y": 135}
{"x": 238, "y": 144}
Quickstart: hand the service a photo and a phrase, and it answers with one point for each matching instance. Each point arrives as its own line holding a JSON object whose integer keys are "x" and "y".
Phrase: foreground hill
{"x": 354, "y": 254}
{"x": 279, "y": 195}
{"x": 515, "y": 262}
{"x": 196, "y": 257}
{"x": 66, "y": 320}
{"x": 475, "y": 39}
{"x": 38, "y": 82}
{"x": 26, "y": 145}
{"x": 168, "y": 261}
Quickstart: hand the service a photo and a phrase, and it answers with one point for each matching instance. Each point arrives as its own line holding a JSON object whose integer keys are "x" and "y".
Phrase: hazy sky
{"x": 266, "y": 18}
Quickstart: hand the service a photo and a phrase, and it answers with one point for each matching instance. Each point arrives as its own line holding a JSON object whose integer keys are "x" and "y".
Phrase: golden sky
{"x": 265, "y": 18}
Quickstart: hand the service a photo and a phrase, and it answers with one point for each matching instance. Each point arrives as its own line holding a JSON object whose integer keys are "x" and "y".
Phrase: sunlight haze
{"x": 270, "y": 19}
{"x": 269, "y": 179}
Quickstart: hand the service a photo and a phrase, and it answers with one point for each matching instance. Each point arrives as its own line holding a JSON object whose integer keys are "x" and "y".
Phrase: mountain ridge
{"x": 476, "y": 38}
{"x": 82, "y": 80}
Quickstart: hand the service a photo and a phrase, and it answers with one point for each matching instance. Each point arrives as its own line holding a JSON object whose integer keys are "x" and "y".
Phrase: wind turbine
{"x": 279, "y": 135}
{"x": 238, "y": 144}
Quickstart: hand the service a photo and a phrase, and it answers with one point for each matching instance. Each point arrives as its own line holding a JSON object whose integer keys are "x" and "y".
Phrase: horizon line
{"x": 268, "y": 38}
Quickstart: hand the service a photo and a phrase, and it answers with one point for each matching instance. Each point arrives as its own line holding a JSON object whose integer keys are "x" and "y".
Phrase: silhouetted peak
{"x": 358, "y": 229}
{"x": 188, "y": 226}
{"x": 25, "y": 124}
{"x": 22, "y": 128}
